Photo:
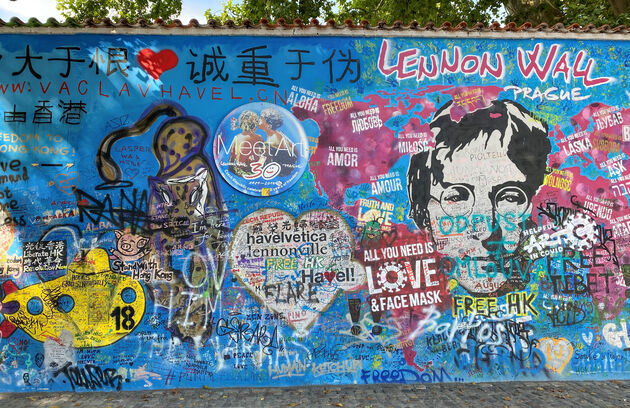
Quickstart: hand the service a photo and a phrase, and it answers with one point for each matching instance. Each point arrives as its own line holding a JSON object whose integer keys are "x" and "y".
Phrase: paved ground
{"x": 523, "y": 394}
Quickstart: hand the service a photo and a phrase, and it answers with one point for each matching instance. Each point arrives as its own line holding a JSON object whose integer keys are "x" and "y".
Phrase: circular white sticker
{"x": 261, "y": 149}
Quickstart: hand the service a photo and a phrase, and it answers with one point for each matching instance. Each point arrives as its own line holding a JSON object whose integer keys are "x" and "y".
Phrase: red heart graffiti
{"x": 156, "y": 64}
{"x": 390, "y": 236}
{"x": 329, "y": 276}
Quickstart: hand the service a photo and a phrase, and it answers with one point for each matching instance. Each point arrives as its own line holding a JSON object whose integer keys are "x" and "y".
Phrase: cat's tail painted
{"x": 107, "y": 168}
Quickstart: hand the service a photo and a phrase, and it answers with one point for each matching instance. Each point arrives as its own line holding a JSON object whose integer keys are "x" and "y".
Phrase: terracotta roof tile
{"x": 282, "y": 23}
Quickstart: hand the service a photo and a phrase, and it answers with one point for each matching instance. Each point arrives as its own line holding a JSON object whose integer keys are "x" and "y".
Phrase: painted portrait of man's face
{"x": 473, "y": 192}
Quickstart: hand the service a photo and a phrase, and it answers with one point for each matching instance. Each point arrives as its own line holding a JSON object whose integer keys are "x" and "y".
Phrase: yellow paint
{"x": 376, "y": 362}
{"x": 452, "y": 284}
{"x": 96, "y": 291}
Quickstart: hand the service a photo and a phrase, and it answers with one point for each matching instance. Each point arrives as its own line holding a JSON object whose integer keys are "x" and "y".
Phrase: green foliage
{"x": 419, "y": 10}
{"x": 132, "y": 10}
{"x": 598, "y": 12}
{"x": 272, "y": 10}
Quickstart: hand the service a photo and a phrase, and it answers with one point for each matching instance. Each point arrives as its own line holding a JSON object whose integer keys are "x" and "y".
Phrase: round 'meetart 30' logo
{"x": 260, "y": 149}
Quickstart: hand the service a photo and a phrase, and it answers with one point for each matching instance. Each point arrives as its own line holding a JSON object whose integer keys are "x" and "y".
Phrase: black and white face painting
{"x": 473, "y": 195}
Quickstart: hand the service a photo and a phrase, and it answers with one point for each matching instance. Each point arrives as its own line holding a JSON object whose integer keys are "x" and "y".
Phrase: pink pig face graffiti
{"x": 473, "y": 192}
{"x": 130, "y": 247}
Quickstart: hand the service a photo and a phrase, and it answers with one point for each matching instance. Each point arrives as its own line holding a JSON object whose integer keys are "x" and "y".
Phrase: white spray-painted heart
{"x": 557, "y": 351}
{"x": 588, "y": 339}
{"x": 295, "y": 267}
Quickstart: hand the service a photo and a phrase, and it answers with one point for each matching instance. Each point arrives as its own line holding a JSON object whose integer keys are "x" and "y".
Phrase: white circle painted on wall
{"x": 261, "y": 149}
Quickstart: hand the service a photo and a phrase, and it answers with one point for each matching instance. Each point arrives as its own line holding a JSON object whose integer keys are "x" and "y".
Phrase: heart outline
{"x": 62, "y": 184}
{"x": 132, "y": 172}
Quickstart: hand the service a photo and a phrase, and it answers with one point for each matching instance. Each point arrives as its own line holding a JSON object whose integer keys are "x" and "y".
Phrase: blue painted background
{"x": 208, "y": 312}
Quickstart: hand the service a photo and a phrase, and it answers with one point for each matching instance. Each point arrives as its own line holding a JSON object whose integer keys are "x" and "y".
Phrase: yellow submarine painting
{"x": 98, "y": 306}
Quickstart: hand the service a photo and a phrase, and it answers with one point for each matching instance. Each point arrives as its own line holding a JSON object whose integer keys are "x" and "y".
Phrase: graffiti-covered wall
{"x": 196, "y": 210}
